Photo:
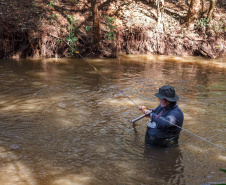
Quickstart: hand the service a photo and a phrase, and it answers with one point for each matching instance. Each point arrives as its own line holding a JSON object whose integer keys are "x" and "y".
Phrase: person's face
{"x": 163, "y": 102}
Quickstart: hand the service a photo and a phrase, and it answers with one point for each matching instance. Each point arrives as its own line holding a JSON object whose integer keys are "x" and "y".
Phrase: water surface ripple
{"x": 62, "y": 123}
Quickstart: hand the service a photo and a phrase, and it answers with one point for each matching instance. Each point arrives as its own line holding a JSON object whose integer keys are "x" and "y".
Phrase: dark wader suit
{"x": 161, "y": 130}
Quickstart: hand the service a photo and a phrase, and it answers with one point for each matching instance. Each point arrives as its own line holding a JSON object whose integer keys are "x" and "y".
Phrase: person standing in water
{"x": 166, "y": 120}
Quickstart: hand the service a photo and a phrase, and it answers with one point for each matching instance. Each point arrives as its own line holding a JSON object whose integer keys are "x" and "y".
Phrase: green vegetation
{"x": 202, "y": 23}
{"x": 88, "y": 27}
{"x": 214, "y": 26}
{"x": 71, "y": 39}
{"x": 51, "y": 3}
{"x": 219, "y": 26}
{"x": 111, "y": 26}
{"x": 223, "y": 170}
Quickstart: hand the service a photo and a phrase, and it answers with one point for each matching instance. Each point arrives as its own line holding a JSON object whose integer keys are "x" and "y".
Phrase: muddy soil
{"x": 42, "y": 28}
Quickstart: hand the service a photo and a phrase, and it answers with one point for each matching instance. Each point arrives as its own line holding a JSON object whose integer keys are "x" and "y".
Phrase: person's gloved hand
{"x": 144, "y": 109}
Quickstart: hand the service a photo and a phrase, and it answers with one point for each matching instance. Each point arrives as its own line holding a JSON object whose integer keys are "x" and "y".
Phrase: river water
{"x": 62, "y": 123}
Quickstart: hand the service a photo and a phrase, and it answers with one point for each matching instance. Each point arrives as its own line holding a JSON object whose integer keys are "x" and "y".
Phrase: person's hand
{"x": 143, "y": 109}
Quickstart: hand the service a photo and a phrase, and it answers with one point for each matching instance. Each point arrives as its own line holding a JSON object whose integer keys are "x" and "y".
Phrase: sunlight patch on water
{"x": 101, "y": 149}
{"x": 98, "y": 60}
{"x": 17, "y": 172}
{"x": 105, "y": 71}
{"x": 48, "y": 60}
{"x": 73, "y": 180}
{"x": 197, "y": 60}
{"x": 126, "y": 102}
{"x": 219, "y": 63}
{"x": 25, "y": 106}
{"x": 64, "y": 122}
{"x": 58, "y": 60}
{"x": 222, "y": 157}
{"x": 188, "y": 117}
{"x": 196, "y": 149}
{"x": 125, "y": 168}
{"x": 52, "y": 72}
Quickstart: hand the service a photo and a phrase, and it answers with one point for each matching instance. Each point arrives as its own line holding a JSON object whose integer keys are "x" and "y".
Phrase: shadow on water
{"x": 61, "y": 123}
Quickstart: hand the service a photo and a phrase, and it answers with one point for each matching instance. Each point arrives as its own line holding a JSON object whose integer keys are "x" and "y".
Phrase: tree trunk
{"x": 203, "y": 6}
{"x": 193, "y": 12}
{"x": 96, "y": 24}
{"x": 160, "y": 11}
{"x": 211, "y": 9}
{"x": 187, "y": 3}
{"x": 204, "y": 9}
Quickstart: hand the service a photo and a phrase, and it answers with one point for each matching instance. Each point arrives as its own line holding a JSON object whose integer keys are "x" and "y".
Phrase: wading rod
{"x": 140, "y": 117}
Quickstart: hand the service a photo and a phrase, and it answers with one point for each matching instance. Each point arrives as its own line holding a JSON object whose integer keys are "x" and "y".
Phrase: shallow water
{"x": 63, "y": 123}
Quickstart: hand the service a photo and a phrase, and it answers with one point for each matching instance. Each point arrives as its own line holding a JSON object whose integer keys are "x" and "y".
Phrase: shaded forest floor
{"x": 42, "y": 28}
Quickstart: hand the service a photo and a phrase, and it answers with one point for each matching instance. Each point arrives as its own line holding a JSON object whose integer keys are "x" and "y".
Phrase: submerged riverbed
{"x": 63, "y": 123}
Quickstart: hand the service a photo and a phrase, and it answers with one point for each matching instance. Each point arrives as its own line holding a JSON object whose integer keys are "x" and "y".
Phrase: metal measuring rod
{"x": 137, "y": 119}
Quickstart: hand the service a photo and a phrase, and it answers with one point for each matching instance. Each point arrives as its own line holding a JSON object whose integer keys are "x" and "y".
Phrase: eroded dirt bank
{"x": 42, "y": 28}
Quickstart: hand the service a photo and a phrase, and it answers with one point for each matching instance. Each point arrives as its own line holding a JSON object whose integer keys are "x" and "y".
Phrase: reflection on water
{"x": 167, "y": 169}
{"x": 62, "y": 123}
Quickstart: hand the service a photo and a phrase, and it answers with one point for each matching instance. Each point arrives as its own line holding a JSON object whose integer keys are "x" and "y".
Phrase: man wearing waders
{"x": 162, "y": 130}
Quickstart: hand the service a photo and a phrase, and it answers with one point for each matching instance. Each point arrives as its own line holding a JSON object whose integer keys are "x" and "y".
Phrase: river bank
{"x": 46, "y": 29}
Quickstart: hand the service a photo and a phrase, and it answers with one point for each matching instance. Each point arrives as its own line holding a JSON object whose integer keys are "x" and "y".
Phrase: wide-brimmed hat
{"x": 167, "y": 92}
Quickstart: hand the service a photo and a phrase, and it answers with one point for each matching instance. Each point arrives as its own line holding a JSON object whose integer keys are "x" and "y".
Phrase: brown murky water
{"x": 62, "y": 123}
